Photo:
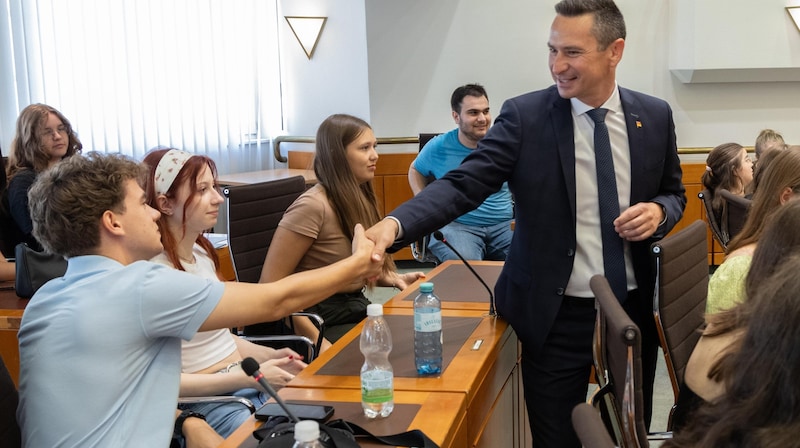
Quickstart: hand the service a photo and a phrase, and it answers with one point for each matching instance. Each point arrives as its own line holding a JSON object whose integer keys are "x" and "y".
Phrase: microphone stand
{"x": 439, "y": 236}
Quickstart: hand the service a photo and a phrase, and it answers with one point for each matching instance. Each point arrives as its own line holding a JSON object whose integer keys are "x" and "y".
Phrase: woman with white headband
{"x": 183, "y": 187}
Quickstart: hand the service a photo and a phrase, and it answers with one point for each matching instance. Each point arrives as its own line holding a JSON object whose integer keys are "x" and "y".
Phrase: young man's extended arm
{"x": 248, "y": 303}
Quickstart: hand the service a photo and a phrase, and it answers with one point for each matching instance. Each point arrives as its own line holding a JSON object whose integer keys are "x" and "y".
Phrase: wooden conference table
{"x": 480, "y": 357}
{"x": 439, "y": 415}
{"x": 455, "y": 285}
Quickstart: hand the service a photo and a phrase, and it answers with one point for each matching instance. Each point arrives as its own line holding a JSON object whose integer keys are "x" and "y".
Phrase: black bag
{"x": 278, "y": 432}
{"x": 34, "y": 269}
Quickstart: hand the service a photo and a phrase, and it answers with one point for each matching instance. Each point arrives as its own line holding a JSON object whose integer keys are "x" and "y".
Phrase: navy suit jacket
{"x": 531, "y": 145}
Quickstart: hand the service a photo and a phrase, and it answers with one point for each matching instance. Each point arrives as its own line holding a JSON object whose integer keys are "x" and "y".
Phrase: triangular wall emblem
{"x": 307, "y": 31}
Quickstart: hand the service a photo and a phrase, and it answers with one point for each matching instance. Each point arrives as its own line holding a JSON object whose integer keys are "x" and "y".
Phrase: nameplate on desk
{"x": 455, "y": 333}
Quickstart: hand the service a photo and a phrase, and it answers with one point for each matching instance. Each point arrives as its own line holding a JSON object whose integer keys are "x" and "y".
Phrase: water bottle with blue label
{"x": 427, "y": 331}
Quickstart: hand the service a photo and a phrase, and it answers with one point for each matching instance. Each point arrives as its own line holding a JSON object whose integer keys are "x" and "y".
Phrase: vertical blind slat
{"x": 135, "y": 74}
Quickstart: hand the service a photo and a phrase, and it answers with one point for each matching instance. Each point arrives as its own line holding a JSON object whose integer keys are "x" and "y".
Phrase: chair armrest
{"x": 261, "y": 340}
{"x": 659, "y": 435}
{"x": 219, "y": 399}
{"x": 318, "y": 322}
{"x": 419, "y": 250}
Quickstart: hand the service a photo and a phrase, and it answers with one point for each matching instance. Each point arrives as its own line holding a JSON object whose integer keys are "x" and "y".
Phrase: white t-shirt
{"x": 206, "y": 348}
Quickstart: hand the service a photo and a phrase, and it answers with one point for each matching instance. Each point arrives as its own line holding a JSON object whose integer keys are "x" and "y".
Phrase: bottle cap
{"x": 426, "y": 287}
{"x": 374, "y": 309}
{"x": 306, "y": 431}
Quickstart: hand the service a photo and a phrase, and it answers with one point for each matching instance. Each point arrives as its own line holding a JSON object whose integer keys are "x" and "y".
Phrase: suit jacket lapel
{"x": 638, "y": 149}
{"x": 561, "y": 114}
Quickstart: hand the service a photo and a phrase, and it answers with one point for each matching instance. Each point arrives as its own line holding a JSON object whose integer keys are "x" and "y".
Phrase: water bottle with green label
{"x": 377, "y": 376}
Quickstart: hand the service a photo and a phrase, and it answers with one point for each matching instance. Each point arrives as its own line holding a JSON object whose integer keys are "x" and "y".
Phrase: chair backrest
{"x": 735, "y": 213}
{"x": 713, "y": 223}
{"x": 679, "y": 300}
{"x": 590, "y": 428}
{"x": 9, "y": 429}
{"x": 621, "y": 347}
{"x": 419, "y": 248}
{"x": 10, "y": 235}
{"x": 254, "y": 212}
{"x": 425, "y": 138}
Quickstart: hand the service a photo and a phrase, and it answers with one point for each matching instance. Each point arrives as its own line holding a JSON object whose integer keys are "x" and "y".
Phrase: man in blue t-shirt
{"x": 483, "y": 233}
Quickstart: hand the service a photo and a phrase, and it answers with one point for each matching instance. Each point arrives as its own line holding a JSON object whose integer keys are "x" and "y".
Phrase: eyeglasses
{"x": 51, "y": 133}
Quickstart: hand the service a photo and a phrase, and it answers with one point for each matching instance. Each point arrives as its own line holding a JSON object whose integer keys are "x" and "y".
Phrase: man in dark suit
{"x": 543, "y": 144}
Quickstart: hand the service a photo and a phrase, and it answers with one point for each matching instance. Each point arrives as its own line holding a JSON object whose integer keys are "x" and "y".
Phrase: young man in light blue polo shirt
{"x": 100, "y": 348}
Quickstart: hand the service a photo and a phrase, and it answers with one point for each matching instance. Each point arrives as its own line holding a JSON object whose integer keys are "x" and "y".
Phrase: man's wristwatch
{"x": 181, "y": 418}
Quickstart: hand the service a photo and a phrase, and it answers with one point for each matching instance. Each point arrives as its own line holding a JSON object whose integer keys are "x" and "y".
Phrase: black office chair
{"x": 9, "y": 399}
{"x": 679, "y": 300}
{"x": 618, "y": 363}
{"x": 10, "y": 235}
{"x": 734, "y": 213}
{"x": 419, "y": 248}
{"x": 254, "y": 212}
{"x": 713, "y": 224}
{"x": 590, "y": 428}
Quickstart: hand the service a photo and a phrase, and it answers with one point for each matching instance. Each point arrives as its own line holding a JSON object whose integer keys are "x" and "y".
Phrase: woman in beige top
{"x": 316, "y": 229}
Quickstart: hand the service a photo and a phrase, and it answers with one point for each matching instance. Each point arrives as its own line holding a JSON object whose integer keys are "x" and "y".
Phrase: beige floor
{"x": 662, "y": 397}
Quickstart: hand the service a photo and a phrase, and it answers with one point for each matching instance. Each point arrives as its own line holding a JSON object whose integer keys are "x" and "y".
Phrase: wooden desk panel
{"x": 11, "y": 309}
{"x": 440, "y": 417}
{"x": 455, "y": 286}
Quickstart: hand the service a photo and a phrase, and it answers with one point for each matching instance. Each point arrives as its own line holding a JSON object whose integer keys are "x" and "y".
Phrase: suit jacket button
{"x": 570, "y": 252}
{"x": 560, "y": 291}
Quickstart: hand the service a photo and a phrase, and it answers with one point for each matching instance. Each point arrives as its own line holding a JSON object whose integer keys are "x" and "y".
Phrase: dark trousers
{"x": 557, "y": 379}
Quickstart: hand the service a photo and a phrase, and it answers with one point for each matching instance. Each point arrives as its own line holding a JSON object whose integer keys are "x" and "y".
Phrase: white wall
{"x": 420, "y": 50}
{"x": 336, "y": 78}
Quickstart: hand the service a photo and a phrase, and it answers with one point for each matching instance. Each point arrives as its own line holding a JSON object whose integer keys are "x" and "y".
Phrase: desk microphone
{"x": 250, "y": 367}
{"x": 439, "y": 236}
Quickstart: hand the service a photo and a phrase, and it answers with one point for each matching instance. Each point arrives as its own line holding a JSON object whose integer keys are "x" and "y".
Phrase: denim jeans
{"x": 474, "y": 242}
{"x": 226, "y": 417}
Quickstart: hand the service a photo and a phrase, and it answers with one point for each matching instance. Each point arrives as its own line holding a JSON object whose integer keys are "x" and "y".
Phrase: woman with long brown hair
{"x": 779, "y": 183}
{"x": 759, "y": 373}
{"x": 316, "y": 229}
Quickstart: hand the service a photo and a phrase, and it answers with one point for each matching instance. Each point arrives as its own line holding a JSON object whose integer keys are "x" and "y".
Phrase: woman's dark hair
{"x": 761, "y": 403}
{"x": 779, "y": 242}
{"x": 721, "y": 165}
{"x": 783, "y": 172}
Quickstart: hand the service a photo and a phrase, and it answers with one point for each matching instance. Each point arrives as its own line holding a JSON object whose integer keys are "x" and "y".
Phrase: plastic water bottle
{"x": 427, "y": 331}
{"x": 306, "y": 434}
{"x": 377, "y": 376}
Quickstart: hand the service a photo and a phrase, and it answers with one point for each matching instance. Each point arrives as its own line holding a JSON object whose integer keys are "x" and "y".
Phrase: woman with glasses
{"x": 43, "y": 137}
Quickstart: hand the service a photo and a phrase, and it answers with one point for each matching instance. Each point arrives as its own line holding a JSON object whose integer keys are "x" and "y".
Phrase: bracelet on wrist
{"x": 178, "y": 432}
